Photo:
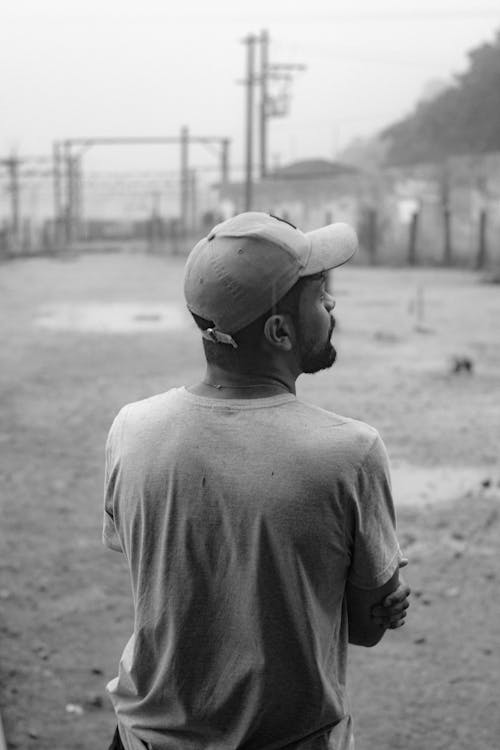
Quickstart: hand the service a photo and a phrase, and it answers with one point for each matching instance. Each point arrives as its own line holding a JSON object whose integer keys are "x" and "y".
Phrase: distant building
{"x": 308, "y": 193}
{"x": 312, "y": 169}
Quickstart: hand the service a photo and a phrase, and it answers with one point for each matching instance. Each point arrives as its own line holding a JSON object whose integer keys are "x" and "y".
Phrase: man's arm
{"x": 371, "y": 612}
{"x": 374, "y": 548}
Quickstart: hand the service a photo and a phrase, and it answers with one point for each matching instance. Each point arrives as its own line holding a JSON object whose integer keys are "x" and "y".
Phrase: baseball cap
{"x": 249, "y": 262}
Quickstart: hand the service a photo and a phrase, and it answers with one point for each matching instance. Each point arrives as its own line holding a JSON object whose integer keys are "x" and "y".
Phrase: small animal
{"x": 462, "y": 364}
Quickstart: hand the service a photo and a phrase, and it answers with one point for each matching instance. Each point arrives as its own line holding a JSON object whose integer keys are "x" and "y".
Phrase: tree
{"x": 462, "y": 119}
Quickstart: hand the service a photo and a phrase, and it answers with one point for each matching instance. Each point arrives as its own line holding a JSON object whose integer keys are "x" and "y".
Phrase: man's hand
{"x": 391, "y": 612}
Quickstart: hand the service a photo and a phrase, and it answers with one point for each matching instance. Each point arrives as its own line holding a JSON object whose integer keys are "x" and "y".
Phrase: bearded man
{"x": 259, "y": 530}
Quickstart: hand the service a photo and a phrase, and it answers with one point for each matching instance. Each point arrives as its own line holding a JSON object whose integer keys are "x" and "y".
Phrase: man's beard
{"x": 314, "y": 358}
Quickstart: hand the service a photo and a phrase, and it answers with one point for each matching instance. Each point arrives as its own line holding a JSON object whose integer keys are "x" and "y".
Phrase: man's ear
{"x": 279, "y": 331}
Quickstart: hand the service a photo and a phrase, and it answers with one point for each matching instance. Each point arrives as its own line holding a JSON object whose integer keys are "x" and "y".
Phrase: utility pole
{"x": 264, "y": 61}
{"x": 272, "y": 105}
{"x": 250, "y": 41}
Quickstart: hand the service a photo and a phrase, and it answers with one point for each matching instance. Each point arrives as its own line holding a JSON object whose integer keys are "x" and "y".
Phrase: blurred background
{"x": 143, "y": 123}
{"x": 127, "y": 129}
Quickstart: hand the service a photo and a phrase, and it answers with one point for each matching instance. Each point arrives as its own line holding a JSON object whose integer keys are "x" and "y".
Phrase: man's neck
{"x": 224, "y": 384}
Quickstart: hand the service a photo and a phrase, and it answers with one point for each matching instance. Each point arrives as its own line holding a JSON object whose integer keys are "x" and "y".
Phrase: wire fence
{"x": 421, "y": 215}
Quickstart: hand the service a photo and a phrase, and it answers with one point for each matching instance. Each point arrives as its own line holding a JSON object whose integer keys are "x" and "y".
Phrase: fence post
{"x": 13, "y": 164}
{"x": 4, "y": 239}
{"x": 447, "y": 254}
{"x": 372, "y": 235}
{"x": 482, "y": 249}
{"x": 26, "y": 236}
{"x": 56, "y": 184}
{"x": 412, "y": 238}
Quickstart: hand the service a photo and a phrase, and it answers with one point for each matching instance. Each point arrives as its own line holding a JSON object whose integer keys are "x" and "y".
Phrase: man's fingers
{"x": 391, "y": 622}
{"x": 397, "y": 624}
{"x": 401, "y": 593}
{"x": 382, "y": 610}
{"x": 389, "y": 616}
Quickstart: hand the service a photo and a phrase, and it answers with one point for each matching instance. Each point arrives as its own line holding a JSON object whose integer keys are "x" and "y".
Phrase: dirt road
{"x": 84, "y": 336}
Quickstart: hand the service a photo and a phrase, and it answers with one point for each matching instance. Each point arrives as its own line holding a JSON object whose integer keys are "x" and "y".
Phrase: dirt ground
{"x": 82, "y": 336}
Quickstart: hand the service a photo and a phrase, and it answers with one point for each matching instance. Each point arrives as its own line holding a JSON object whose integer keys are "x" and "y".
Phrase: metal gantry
{"x": 67, "y": 156}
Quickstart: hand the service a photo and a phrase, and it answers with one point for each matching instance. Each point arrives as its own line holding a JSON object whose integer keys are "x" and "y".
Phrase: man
{"x": 259, "y": 530}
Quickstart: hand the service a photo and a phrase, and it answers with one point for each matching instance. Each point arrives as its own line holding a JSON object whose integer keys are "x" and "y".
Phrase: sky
{"x": 82, "y": 68}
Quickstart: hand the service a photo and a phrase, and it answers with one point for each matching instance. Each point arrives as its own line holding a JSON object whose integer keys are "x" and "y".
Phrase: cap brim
{"x": 331, "y": 246}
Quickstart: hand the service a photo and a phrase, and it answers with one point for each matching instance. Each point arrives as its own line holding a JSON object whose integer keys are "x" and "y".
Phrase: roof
{"x": 308, "y": 168}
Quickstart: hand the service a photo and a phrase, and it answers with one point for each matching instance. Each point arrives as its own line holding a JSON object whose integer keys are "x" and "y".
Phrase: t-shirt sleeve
{"x": 110, "y": 537}
{"x": 375, "y": 551}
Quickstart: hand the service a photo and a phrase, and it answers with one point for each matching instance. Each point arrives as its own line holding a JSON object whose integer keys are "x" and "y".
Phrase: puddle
{"x": 419, "y": 485}
{"x": 115, "y": 317}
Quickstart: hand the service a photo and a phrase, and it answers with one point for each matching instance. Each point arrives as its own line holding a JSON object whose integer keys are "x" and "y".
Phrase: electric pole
{"x": 250, "y": 41}
{"x": 276, "y": 104}
{"x": 264, "y": 61}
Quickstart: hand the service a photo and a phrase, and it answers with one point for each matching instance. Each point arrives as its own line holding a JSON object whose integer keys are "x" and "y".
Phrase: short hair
{"x": 249, "y": 338}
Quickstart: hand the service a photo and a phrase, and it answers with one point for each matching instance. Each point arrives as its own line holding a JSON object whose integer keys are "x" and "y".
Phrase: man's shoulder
{"x": 353, "y": 435}
{"x": 159, "y": 401}
{"x": 149, "y": 410}
{"x": 351, "y": 427}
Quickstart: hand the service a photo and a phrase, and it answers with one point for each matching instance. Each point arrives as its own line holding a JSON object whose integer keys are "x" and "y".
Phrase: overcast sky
{"x": 72, "y": 68}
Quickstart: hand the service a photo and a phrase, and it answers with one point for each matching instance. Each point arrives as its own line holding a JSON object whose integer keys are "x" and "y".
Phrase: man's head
{"x": 257, "y": 285}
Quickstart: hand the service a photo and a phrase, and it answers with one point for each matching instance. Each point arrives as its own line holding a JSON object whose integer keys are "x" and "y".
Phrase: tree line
{"x": 464, "y": 118}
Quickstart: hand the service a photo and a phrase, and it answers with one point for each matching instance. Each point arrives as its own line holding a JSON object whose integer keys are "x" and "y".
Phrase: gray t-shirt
{"x": 241, "y": 521}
